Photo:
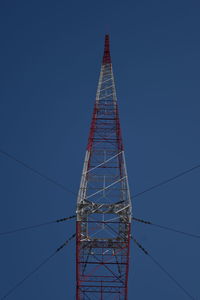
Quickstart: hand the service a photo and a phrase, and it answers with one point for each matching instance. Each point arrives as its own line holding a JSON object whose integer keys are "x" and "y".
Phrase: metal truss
{"x": 104, "y": 204}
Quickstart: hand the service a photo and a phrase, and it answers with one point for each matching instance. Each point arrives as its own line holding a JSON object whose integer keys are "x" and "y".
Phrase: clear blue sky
{"x": 50, "y": 59}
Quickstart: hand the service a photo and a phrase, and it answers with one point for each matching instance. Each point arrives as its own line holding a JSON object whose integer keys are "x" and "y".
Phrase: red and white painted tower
{"x": 104, "y": 203}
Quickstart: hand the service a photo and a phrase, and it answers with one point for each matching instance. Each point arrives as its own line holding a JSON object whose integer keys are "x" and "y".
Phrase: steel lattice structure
{"x": 104, "y": 203}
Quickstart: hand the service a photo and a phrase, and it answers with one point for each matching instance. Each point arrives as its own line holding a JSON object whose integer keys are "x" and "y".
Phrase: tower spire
{"x": 106, "y": 56}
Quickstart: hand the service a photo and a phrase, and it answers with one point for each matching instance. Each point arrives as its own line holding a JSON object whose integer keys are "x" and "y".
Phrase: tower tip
{"x": 106, "y": 56}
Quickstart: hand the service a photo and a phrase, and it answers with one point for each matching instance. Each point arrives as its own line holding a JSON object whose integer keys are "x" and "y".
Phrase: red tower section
{"x": 103, "y": 204}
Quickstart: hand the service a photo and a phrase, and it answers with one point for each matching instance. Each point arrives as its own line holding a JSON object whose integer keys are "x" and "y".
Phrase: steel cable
{"x": 44, "y": 262}
{"x": 36, "y": 226}
{"x": 61, "y": 186}
{"x": 166, "y": 181}
{"x": 166, "y": 228}
{"x": 163, "y": 269}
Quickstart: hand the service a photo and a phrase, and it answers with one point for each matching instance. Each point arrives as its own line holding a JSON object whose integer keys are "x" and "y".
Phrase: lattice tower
{"x": 104, "y": 203}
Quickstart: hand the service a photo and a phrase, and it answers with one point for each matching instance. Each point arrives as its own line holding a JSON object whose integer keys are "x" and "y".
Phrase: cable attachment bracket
{"x": 66, "y": 219}
{"x": 140, "y": 246}
{"x": 141, "y": 221}
{"x": 66, "y": 242}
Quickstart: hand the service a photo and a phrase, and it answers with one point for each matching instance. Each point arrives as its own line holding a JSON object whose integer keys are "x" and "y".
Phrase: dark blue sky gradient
{"x": 50, "y": 59}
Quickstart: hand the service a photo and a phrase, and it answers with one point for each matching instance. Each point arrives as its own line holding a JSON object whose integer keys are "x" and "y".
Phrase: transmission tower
{"x": 103, "y": 204}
